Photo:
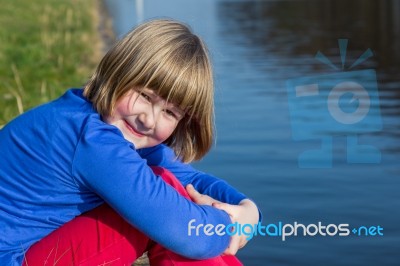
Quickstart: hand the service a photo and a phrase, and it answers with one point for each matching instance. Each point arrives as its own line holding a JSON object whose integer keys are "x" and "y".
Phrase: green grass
{"x": 46, "y": 47}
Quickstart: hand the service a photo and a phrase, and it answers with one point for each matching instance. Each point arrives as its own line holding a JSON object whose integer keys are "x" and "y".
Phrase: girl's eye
{"x": 170, "y": 113}
{"x": 145, "y": 96}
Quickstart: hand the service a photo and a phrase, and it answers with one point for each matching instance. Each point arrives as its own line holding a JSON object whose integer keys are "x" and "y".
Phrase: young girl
{"x": 76, "y": 186}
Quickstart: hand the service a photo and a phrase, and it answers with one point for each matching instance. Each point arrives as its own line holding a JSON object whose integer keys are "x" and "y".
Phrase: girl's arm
{"x": 106, "y": 164}
{"x": 204, "y": 184}
{"x": 207, "y": 184}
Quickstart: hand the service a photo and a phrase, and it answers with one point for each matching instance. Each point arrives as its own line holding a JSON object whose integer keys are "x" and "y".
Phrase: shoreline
{"x": 104, "y": 25}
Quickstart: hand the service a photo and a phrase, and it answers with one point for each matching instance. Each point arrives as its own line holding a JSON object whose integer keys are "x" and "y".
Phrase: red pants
{"x": 102, "y": 237}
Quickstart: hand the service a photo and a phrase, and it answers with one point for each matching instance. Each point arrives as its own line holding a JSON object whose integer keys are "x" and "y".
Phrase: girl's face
{"x": 144, "y": 118}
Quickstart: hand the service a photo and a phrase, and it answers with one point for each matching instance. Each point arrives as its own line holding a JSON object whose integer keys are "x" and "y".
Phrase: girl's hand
{"x": 198, "y": 198}
{"x": 244, "y": 213}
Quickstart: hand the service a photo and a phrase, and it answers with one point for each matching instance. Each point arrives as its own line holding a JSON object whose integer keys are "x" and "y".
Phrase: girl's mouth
{"x": 132, "y": 130}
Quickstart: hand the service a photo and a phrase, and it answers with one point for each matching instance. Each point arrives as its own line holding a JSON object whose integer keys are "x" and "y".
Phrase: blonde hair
{"x": 165, "y": 56}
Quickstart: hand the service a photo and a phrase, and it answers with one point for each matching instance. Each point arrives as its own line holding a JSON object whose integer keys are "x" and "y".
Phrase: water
{"x": 257, "y": 46}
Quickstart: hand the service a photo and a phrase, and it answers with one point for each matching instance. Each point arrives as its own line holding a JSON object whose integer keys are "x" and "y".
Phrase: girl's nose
{"x": 148, "y": 118}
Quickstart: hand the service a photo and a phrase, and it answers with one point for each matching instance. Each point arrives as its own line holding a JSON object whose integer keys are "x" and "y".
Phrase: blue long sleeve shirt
{"x": 60, "y": 160}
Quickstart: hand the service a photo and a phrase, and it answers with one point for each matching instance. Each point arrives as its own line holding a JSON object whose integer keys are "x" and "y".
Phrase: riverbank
{"x": 45, "y": 49}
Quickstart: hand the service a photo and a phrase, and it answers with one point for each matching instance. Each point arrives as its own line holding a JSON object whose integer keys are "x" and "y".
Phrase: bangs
{"x": 183, "y": 79}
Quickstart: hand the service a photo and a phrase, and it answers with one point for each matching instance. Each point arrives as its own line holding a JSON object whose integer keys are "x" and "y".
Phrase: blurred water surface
{"x": 256, "y": 47}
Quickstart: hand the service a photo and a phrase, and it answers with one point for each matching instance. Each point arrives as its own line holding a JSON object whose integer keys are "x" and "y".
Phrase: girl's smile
{"x": 132, "y": 129}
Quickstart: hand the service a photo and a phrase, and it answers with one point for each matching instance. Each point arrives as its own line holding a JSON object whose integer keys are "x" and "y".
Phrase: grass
{"x": 46, "y": 47}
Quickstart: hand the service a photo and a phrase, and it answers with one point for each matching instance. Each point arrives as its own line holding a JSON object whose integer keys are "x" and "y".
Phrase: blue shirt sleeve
{"x": 108, "y": 165}
{"x": 163, "y": 156}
